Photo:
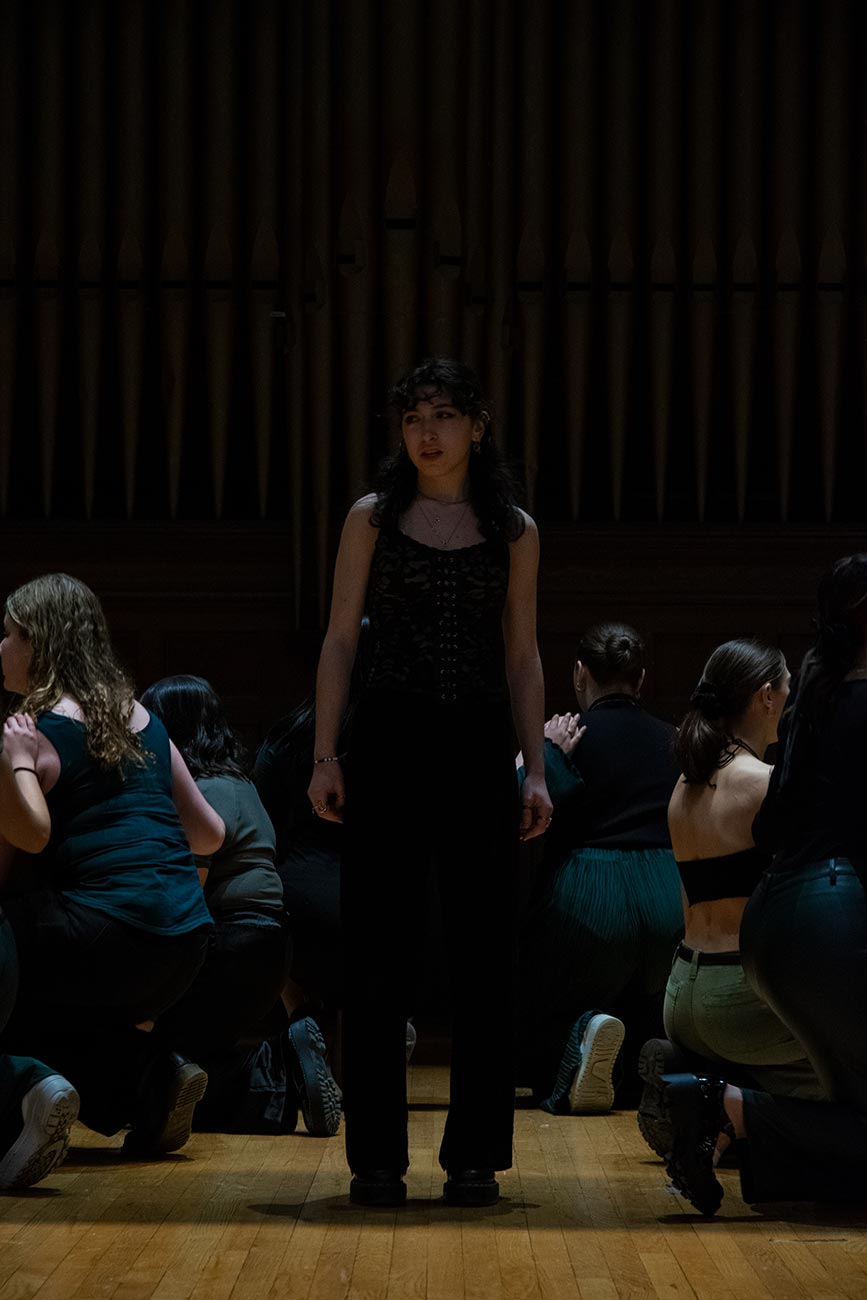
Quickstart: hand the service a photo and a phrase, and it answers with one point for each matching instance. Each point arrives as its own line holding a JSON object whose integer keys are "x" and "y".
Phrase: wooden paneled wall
{"x": 217, "y": 599}
{"x": 225, "y": 226}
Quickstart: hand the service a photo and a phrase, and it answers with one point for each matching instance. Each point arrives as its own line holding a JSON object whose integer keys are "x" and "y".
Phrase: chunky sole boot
{"x": 318, "y": 1094}
{"x": 694, "y": 1105}
{"x": 48, "y": 1110}
{"x": 377, "y": 1187}
{"x": 657, "y": 1057}
{"x": 465, "y": 1187}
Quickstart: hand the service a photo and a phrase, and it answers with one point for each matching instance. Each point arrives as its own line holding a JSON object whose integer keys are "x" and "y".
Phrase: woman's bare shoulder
{"x": 139, "y": 718}
{"x": 363, "y": 507}
{"x": 359, "y": 524}
{"x": 527, "y": 542}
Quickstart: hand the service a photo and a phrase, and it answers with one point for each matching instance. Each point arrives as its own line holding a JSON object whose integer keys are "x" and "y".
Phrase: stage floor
{"x": 585, "y": 1213}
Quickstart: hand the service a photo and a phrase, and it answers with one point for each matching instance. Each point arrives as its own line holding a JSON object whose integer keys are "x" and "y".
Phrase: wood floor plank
{"x": 586, "y": 1214}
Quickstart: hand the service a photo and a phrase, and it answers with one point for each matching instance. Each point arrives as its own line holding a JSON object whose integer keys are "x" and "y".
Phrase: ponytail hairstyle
{"x": 613, "y": 652}
{"x": 841, "y": 627}
{"x": 493, "y": 493}
{"x": 729, "y": 679}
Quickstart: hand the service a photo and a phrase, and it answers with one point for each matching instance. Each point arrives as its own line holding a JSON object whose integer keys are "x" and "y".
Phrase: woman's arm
{"x": 524, "y": 673}
{"x": 203, "y": 828}
{"x": 25, "y": 822}
{"x": 351, "y": 571}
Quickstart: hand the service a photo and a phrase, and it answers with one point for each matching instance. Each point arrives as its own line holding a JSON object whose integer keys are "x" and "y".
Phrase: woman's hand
{"x": 326, "y": 791}
{"x": 21, "y": 740}
{"x": 536, "y": 807}
{"x": 563, "y": 730}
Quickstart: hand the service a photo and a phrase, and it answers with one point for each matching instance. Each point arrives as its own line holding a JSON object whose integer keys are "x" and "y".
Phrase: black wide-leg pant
{"x": 429, "y": 783}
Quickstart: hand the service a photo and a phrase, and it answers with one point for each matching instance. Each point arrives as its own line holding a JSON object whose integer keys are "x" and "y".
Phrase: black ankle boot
{"x": 377, "y": 1187}
{"x": 471, "y": 1187}
{"x": 657, "y": 1058}
{"x": 694, "y": 1106}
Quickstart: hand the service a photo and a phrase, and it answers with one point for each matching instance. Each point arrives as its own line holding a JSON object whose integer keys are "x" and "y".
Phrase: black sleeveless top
{"x": 733, "y": 875}
{"x": 436, "y": 618}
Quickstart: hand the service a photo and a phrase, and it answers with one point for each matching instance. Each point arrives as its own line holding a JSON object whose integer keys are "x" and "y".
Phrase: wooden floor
{"x": 585, "y": 1212}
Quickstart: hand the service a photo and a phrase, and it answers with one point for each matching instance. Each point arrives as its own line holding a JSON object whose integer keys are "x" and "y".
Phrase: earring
{"x": 477, "y": 446}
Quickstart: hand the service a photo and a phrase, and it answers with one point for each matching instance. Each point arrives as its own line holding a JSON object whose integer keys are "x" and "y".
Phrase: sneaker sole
{"x": 319, "y": 1095}
{"x": 592, "y": 1089}
{"x": 190, "y": 1088}
{"x": 49, "y": 1111}
{"x": 656, "y": 1058}
{"x": 187, "y": 1089}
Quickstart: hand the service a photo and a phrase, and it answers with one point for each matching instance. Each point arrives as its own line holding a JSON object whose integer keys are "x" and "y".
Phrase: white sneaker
{"x": 592, "y": 1090}
{"x": 49, "y": 1110}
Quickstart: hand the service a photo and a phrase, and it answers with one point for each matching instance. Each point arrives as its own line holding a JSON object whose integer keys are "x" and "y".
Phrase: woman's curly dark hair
{"x": 192, "y": 713}
{"x": 493, "y": 492}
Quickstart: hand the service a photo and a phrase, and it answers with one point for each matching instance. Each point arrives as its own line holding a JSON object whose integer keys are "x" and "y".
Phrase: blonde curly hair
{"x": 73, "y": 655}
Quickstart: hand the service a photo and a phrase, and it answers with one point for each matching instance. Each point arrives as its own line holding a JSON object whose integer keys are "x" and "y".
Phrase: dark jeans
{"x": 86, "y": 980}
{"x": 429, "y": 783}
{"x": 237, "y": 986}
{"x": 804, "y": 949}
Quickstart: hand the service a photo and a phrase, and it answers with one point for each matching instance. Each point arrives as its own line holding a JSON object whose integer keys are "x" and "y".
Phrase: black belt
{"x": 709, "y": 958}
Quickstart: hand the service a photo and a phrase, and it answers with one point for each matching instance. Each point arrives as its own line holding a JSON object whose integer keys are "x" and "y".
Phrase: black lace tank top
{"x": 436, "y": 618}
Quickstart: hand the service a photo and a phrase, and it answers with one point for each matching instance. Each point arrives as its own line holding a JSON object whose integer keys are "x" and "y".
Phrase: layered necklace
{"x": 436, "y": 522}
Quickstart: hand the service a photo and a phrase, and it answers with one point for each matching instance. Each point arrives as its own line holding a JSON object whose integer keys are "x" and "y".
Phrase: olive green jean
{"x": 712, "y": 1012}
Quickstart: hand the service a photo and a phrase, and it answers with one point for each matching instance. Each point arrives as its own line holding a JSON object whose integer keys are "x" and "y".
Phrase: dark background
{"x": 225, "y": 226}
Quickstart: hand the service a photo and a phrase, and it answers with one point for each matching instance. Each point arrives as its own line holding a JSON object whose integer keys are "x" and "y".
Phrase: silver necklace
{"x": 433, "y": 524}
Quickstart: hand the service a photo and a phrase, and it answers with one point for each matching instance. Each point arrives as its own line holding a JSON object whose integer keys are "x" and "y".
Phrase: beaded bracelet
{"x": 332, "y": 758}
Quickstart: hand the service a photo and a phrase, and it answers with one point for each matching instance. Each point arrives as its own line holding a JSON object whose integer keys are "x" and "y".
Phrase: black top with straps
{"x": 436, "y": 618}
{"x": 732, "y": 875}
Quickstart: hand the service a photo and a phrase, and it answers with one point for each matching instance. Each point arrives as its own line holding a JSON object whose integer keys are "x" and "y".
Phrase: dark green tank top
{"x": 116, "y": 842}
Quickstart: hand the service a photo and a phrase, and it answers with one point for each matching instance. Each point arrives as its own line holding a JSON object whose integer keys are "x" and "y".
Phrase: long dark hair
{"x": 841, "y": 626}
{"x": 493, "y": 493}
{"x": 192, "y": 713}
{"x": 614, "y": 652}
{"x": 729, "y": 679}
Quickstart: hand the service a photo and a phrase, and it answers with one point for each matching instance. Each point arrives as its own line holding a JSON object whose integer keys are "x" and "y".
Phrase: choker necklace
{"x": 742, "y": 744}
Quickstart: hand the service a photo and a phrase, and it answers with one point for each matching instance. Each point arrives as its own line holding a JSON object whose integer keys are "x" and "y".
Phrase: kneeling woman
{"x": 251, "y": 1085}
{"x": 597, "y": 941}
{"x": 712, "y": 1015}
{"x": 115, "y": 928}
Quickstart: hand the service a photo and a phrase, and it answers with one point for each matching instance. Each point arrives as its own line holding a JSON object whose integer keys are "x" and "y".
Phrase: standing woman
{"x": 444, "y": 563}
